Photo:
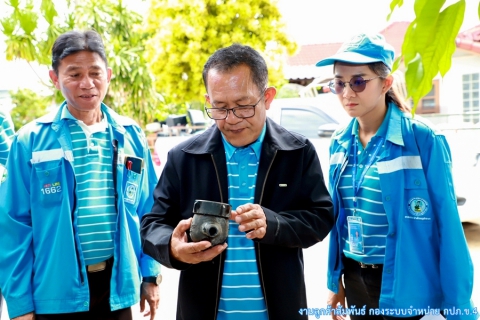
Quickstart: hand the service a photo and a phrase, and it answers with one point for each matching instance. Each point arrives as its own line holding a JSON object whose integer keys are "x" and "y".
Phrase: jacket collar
{"x": 256, "y": 146}
{"x": 114, "y": 119}
{"x": 210, "y": 142}
{"x": 276, "y": 136}
{"x": 394, "y": 129}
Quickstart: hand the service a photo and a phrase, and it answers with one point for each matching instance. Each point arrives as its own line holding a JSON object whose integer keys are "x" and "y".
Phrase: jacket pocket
{"x": 47, "y": 188}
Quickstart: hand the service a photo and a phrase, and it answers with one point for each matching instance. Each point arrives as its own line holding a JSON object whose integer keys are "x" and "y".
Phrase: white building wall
{"x": 451, "y": 88}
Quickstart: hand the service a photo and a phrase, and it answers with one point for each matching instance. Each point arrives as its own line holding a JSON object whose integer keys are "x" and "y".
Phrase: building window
{"x": 430, "y": 103}
{"x": 471, "y": 97}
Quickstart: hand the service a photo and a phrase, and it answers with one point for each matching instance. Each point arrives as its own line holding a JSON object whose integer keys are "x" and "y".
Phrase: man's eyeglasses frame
{"x": 234, "y": 110}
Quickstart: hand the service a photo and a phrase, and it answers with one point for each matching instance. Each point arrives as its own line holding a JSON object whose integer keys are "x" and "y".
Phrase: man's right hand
{"x": 337, "y": 299}
{"x": 28, "y": 316}
{"x": 192, "y": 252}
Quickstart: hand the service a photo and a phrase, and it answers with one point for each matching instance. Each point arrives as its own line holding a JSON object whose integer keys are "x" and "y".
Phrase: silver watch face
{"x": 159, "y": 279}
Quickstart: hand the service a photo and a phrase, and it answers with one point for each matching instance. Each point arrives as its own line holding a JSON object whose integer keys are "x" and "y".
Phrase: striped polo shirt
{"x": 92, "y": 160}
{"x": 6, "y": 136}
{"x": 241, "y": 295}
{"x": 369, "y": 197}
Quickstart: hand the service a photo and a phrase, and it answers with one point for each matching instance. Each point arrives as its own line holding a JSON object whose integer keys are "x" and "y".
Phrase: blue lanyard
{"x": 371, "y": 160}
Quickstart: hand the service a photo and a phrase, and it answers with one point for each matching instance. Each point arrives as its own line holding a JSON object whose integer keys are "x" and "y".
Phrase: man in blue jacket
{"x": 79, "y": 180}
{"x": 272, "y": 179}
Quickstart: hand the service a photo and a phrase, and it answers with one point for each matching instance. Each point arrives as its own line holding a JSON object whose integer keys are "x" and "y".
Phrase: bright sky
{"x": 308, "y": 21}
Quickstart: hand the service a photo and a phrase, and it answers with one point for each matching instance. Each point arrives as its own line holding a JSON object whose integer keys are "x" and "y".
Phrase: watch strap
{"x": 153, "y": 279}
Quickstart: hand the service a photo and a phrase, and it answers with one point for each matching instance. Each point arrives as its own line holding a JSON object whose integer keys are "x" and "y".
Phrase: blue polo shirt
{"x": 241, "y": 295}
{"x": 369, "y": 197}
{"x": 92, "y": 162}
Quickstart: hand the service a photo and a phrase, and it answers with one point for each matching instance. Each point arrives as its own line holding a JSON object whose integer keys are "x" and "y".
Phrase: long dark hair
{"x": 393, "y": 94}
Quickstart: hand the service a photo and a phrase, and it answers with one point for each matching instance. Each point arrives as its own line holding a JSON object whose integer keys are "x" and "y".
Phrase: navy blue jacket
{"x": 298, "y": 216}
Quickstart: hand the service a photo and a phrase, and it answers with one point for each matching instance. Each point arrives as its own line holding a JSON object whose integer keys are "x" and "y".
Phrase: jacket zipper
{"x": 82, "y": 279}
{"x": 79, "y": 264}
{"x": 256, "y": 244}
{"x": 114, "y": 172}
{"x": 337, "y": 181}
{"x": 221, "y": 255}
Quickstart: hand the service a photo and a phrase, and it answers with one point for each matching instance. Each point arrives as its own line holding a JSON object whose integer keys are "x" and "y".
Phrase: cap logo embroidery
{"x": 354, "y": 43}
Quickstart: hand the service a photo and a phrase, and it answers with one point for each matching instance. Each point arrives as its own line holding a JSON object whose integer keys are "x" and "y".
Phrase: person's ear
{"x": 387, "y": 84}
{"x": 270, "y": 93}
{"x": 109, "y": 74}
{"x": 54, "y": 78}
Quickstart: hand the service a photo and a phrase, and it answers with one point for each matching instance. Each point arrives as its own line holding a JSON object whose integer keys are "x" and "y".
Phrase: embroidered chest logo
{"x": 417, "y": 207}
{"x": 131, "y": 192}
{"x": 51, "y": 188}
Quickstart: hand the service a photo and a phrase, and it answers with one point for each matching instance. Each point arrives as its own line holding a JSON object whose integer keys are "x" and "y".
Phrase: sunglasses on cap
{"x": 357, "y": 84}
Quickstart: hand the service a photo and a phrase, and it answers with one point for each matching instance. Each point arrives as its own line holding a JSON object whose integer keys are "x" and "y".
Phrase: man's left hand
{"x": 151, "y": 293}
{"x": 251, "y": 219}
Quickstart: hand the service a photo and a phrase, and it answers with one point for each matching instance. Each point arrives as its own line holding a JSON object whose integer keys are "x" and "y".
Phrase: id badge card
{"x": 355, "y": 234}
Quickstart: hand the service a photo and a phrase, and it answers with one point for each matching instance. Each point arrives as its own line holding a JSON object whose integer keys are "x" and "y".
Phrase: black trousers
{"x": 99, "y": 284}
{"x": 362, "y": 288}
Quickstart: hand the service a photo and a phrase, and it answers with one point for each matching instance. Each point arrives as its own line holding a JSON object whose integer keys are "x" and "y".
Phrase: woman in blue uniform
{"x": 398, "y": 249}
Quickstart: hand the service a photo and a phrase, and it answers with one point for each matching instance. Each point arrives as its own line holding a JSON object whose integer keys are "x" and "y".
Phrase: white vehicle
{"x": 312, "y": 117}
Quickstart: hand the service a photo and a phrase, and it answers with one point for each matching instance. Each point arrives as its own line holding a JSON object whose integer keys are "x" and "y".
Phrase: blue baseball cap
{"x": 362, "y": 49}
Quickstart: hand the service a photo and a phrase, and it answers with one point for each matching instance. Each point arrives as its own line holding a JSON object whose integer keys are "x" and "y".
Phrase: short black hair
{"x": 72, "y": 42}
{"x": 226, "y": 59}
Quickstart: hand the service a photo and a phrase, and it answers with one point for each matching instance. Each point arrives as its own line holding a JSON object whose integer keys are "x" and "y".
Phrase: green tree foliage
{"x": 20, "y": 28}
{"x": 29, "y": 106}
{"x": 131, "y": 91}
{"x": 187, "y": 32}
{"x": 429, "y": 43}
{"x": 32, "y": 28}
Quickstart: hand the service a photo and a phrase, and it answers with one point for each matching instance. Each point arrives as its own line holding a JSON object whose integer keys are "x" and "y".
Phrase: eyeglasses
{"x": 357, "y": 84}
{"x": 241, "y": 112}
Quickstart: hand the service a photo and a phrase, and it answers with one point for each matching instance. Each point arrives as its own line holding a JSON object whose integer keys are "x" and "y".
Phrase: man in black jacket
{"x": 270, "y": 176}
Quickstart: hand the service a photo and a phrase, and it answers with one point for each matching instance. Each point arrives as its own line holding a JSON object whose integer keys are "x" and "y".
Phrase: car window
{"x": 304, "y": 122}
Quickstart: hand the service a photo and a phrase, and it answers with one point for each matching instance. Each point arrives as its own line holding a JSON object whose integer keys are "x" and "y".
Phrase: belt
{"x": 362, "y": 265}
{"x": 367, "y": 265}
{"x": 97, "y": 267}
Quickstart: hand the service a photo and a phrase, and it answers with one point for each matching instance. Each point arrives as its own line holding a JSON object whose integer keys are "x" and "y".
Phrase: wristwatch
{"x": 155, "y": 279}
